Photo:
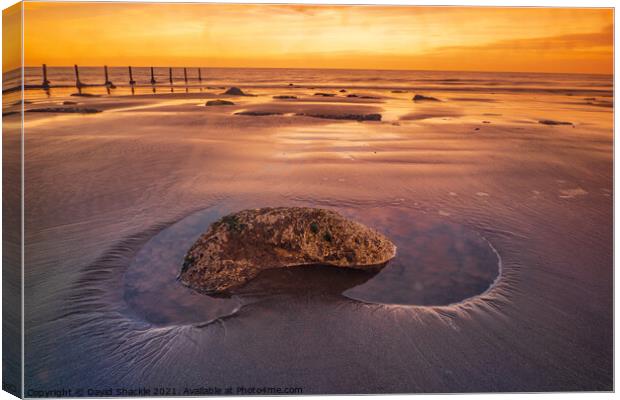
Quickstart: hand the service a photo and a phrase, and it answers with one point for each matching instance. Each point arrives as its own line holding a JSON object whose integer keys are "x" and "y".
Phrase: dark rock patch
{"x": 235, "y": 91}
{"x": 69, "y": 110}
{"x": 258, "y": 113}
{"x": 553, "y": 122}
{"x": 419, "y": 97}
{"x": 352, "y": 117}
{"x": 219, "y": 103}
{"x": 85, "y": 95}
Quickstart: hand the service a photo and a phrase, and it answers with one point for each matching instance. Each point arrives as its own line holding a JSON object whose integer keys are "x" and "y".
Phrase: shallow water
{"x": 438, "y": 263}
{"x": 114, "y": 199}
{"x": 316, "y": 77}
{"x": 63, "y": 81}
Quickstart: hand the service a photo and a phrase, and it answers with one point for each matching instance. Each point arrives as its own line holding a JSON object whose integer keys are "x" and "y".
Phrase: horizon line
{"x": 326, "y": 68}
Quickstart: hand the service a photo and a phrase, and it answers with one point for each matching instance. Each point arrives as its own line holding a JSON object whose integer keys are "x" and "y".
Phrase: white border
{"x": 504, "y": 3}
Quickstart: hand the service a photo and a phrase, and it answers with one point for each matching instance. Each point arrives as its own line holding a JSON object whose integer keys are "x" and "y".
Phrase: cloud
{"x": 319, "y": 36}
{"x": 576, "y": 41}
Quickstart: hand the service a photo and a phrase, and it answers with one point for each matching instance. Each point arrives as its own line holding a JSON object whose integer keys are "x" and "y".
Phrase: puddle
{"x": 438, "y": 263}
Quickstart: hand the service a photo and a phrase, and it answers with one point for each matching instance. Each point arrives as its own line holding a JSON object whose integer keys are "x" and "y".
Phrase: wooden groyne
{"x": 106, "y": 82}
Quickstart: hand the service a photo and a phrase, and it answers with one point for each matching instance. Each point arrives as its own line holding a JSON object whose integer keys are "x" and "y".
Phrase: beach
{"x": 498, "y": 196}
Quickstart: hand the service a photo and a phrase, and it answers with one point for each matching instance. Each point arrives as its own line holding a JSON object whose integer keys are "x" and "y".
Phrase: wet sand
{"x": 100, "y": 187}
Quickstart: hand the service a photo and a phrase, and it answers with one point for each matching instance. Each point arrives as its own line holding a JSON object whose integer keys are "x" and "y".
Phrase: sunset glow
{"x": 224, "y": 35}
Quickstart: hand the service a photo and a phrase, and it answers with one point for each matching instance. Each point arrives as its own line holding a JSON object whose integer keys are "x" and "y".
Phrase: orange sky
{"x": 439, "y": 38}
{"x": 11, "y": 37}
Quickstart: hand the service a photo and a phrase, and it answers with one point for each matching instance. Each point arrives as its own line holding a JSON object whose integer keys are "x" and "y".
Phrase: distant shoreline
{"x": 323, "y": 69}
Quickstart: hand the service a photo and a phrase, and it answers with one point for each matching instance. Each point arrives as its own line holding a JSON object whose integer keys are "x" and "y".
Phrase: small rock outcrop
{"x": 325, "y": 94}
{"x": 85, "y": 95}
{"x": 285, "y": 97}
{"x": 351, "y": 117}
{"x": 235, "y": 91}
{"x": 67, "y": 110}
{"x": 219, "y": 103}
{"x": 553, "y": 122}
{"x": 258, "y": 113}
{"x": 419, "y": 97}
{"x": 239, "y": 246}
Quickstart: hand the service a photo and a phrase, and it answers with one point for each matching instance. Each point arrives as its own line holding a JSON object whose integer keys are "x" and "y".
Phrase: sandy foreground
{"x": 100, "y": 187}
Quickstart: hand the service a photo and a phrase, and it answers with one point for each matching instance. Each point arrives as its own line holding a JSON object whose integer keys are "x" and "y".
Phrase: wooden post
{"x": 153, "y": 81}
{"x": 170, "y": 75}
{"x": 199, "y": 76}
{"x": 46, "y": 83}
{"x": 77, "y": 76}
{"x": 78, "y": 84}
{"x": 108, "y": 83}
{"x": 131, "y": 81}
{"x": 185, "y": 75}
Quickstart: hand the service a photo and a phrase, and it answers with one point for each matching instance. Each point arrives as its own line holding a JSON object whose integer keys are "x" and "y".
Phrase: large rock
{"x": 239, "y": 246}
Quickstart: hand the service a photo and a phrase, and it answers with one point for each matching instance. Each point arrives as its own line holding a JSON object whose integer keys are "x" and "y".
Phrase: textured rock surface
{"x": 239, "y": 246}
